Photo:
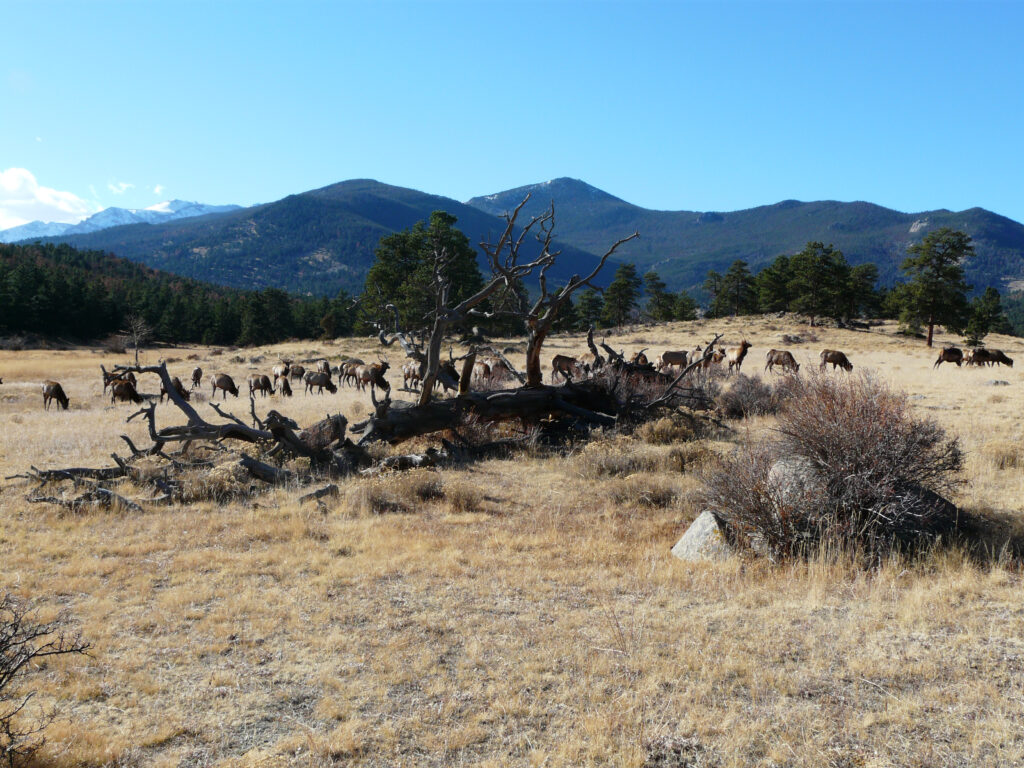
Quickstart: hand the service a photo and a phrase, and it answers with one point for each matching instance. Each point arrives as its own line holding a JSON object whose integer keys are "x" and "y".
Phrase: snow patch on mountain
{"x": 114, "y": 217}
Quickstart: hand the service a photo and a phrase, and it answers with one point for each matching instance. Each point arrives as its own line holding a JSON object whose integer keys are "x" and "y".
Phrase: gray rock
{"x": 795, "y": 479}
{"x": 704, "y": 541}
{"x": 997, "y": 383}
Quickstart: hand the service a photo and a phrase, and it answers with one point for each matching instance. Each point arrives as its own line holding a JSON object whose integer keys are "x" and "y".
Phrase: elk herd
{"x": 357, "y": 373}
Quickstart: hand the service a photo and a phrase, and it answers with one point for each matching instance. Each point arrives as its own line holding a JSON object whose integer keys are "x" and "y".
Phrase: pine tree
{"x": 987, "y": 316}
{"x": 661, "y": 305}
{"x": 937, "y": 291}
{"x": 590, "y": 308}
{"x": 621, "y": 297}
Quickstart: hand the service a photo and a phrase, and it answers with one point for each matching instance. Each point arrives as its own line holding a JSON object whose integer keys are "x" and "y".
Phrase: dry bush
{"x": 687, "y": 457}
{"x": 861, "y": 473}
{"x": 25, "y": 642}
{"x": 1004, "y": 454}
{"x": 745, "y": 396}
{"x": 615, "y": 457}
{"x": 666, "y": 430}
{"x": 114, "y": 344}
{"x": 642, "y": 490}
{"x": 463, "y": 496}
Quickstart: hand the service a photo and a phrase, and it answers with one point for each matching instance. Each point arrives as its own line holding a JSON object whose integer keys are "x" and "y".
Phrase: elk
{"x": 837, "y": 358}
{"x": 109, "y": 378}
{"x": 982, "y": 356}
{"x": 281, "y": 370}
{"x": 735, "y": 355}
{"x": 481, "y": 371}
{"x": 297, "y": 372}
{"x": 260, "y": 383}
{"x": 178, "y": 387}
{"x": 223, "y": 382}
{"x": 411, "y": 375}
{"x": 348, "y": 371}
{"x": 949, "y": 355}
{"x": 286, "y": 388}
{"x": 322, "y": 366}
{"x": 640, "y": 358}
{"x": 782, "y": 358}
{"x": 373, "y": 375}
{"x": 197, "y": 377}
{"x": 715, "y": 358}
{"x": 52, "y": 390}
{"x": 569, "y": 367}
{"x": 320, "y": 380}
{"x": 124, "y": 390}
{"x": 671, "y": 359}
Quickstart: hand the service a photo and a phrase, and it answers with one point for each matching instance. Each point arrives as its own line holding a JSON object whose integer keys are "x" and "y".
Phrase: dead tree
{"x": 540, "y": 316}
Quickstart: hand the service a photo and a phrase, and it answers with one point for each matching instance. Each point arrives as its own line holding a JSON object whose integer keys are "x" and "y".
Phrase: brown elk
{"x": 949, "y": 355}
{"x": 569, "y": 367}
{"x": 672, "y": 359}
{"x": 286, "y": 388}
{"x": 373, "y": 375}
{"x": 983, "y": 356}
{"x": 223, "y": 382}
{"x": 52, "y": 390}
{"x": 782, "y": 358}
{"x": 735, "y": 355}
{"x": 178, "y": 387}
{"x": 296, "y": 372}
{"x": 837, "y": 358}
{"x": 640, "y": 358}
{"x": 322, "y": 366}
{"x": 348, "y": 369}
{"x": 197, "y": 377}
{"x": 481, "y": 371}
{"x": 447, "y": 367}
{"x": 321, "y": 381}
{"x": 281, "y": 370}
{"x": 109, "y": 377}
{"x": 259, "y": 382}
{"x": 411, "y": 376}
{"x": 124, "y": 391}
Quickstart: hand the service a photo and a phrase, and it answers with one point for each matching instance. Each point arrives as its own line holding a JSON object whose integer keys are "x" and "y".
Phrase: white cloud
{"x": 158, "y": 189}
{"x": 119, "y": 187}
{"x": 22, "y": 200}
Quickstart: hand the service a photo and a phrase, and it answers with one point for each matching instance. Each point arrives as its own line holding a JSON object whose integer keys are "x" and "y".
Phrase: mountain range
{"x": 320, "y": 241}
{"x": 112, "y": 217}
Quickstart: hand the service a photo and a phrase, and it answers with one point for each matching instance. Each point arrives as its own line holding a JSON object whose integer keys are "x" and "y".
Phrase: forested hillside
{"x": 58, "y": 291}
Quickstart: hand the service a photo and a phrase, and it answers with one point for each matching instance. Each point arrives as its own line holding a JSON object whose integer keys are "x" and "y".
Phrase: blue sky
{"x": 671, "y": 105}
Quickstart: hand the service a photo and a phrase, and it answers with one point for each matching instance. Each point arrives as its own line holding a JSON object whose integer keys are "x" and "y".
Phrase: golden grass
{"x": 518, "y": 612}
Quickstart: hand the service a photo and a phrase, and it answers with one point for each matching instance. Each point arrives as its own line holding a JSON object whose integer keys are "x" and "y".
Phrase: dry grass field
{"x": 521, "y": 612}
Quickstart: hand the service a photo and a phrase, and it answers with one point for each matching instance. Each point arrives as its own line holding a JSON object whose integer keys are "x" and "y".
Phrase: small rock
{"x": 704, "y": 541}
{"x": 916, "y": 397}
{"x": 997, "y": 383}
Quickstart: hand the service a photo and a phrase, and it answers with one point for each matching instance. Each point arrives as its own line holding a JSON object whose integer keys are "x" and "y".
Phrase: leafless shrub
{"x": 25, "y": 641}
{"x": 858, "y": 472}
{"x": 745, "y": 396}
{"x": 615, "y": 457}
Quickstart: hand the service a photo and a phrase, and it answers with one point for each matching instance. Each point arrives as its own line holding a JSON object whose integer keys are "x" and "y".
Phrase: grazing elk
{"x": 178, "y": 387}
{"x": 223, "y": 382}
{"x": 735, "y": 355}
{"x": 109, "y": 378}
{"x": 286, "y": 388}
{"x": 321, "y": 381}
{"x": 672, "y": 359}
{"x": 125, "y": 391}
{"x": 837, "y": 358}
{"x": 297, "y": 372}
{"x": 52, "y": 390}
{"x": 197, "y": 377}
{"x": 982, "y": 356}
{"x": 373, "y": 375}
{"x": 259, "y": 382}
{"x": 281, "y": 370}
{"x": 949, "y": 355}
{"x": 782, "y": 358}
{"x": 569, "y": 367}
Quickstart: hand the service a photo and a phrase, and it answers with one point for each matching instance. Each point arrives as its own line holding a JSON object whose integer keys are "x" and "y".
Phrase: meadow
{"x": 515, "y": 612}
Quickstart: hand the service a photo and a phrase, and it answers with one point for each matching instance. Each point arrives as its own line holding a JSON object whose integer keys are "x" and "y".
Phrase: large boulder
{"x": 704, "y": 541}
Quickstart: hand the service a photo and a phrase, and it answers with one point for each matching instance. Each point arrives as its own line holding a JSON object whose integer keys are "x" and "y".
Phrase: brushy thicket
{"x": 850, "y": 468}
